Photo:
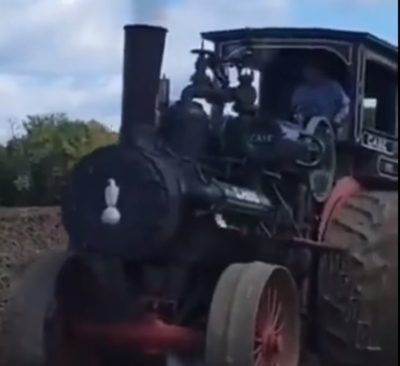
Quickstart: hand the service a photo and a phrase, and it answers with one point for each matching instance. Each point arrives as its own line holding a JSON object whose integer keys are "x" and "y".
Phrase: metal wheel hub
{"x": 271, "y": 345}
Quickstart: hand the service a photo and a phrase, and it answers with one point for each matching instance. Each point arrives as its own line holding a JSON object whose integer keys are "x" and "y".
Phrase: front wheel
{"x": 260, "y": 315}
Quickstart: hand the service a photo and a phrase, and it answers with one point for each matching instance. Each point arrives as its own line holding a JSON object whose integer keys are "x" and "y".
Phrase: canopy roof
{"x": 303, "y": 34}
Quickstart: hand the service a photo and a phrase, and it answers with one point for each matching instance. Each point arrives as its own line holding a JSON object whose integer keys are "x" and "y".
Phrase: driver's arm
{"x": 297, "y": 98}
{"x": 297, "y": 102}
{"x": 343, "y": 104}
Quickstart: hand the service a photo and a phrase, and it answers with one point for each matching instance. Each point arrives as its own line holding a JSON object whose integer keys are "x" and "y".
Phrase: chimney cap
{"x": 146, "y": 27}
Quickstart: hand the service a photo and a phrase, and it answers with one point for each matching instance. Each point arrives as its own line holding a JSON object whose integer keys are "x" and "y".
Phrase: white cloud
{"x": 57, "y": 94}
{"x": 60, "y": 55}
{"x": 65, "y": 55}
{"x": 52, "y": 36}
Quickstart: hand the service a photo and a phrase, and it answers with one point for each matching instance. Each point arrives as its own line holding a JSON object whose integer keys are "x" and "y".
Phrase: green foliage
{"x": 35, "y": 166}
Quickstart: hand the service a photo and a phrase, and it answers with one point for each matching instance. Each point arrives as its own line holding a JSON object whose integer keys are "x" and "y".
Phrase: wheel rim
{"x": 219, "y": 315}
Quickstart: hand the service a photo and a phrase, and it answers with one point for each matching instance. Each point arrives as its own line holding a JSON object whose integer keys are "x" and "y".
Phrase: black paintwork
{"x": 143, "y": 54}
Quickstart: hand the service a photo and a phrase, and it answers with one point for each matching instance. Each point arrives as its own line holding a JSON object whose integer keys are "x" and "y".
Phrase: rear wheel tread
{"x": 362, "y": 226}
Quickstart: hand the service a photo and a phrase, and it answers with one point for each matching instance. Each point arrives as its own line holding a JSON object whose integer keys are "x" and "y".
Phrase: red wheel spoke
{"x": 269, "y": 327}
{"x": 279, "y": 328}
{"x": 262, "y": 318}
{"x": 260, "y": 361}
{"x": 277, "y": 314}
{"x": 271, "y": 296}
{"x": 275, "y": 301}
{"x": 258, "y": 351}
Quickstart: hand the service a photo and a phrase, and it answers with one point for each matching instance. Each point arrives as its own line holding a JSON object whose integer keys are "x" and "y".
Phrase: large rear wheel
{"x": 358, "y": 291}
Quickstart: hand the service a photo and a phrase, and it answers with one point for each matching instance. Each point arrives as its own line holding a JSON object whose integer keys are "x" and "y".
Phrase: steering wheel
{"x": 316, "y": 147}
{"x": 321, "y": 178}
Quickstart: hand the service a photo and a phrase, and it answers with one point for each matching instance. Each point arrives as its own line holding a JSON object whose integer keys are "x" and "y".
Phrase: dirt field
{"x": 24, "y": 233}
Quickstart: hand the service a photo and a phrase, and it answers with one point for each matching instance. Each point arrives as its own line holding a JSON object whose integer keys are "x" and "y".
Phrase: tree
{"x": 37, "y": 164}
{"x": 5, "y": 177}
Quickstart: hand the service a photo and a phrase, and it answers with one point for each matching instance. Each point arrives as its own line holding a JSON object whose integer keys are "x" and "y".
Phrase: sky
{"x": 66, "y": 55}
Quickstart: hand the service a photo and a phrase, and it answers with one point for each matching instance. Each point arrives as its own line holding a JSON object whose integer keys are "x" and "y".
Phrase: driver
{"x": 320, "y": 95}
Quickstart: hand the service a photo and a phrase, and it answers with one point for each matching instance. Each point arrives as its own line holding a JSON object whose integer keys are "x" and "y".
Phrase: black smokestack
{"x": 143, "y": 54}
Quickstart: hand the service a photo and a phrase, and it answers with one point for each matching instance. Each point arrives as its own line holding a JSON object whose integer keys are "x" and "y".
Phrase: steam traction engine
{"x": 228, "y": 239}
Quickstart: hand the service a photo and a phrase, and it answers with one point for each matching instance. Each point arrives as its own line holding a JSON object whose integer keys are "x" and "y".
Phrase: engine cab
{"x": 364, "y": 66}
